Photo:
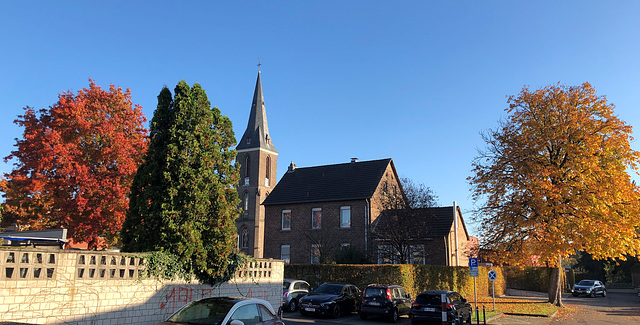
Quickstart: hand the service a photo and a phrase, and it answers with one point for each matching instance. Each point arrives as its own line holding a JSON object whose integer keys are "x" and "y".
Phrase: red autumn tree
{"x": 75, "y": 164}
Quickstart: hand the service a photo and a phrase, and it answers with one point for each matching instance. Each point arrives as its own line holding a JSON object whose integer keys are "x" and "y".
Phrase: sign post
{"x": 474, "y": 272}
{"x": 493, "y": 275}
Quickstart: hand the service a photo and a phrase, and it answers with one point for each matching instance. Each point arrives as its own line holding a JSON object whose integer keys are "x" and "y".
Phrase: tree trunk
{"x": 555, "y": 286}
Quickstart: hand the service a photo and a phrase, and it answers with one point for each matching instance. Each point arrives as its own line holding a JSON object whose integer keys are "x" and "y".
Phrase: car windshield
{"x": 285, "y": 285}
{"x": 586, "y": 282}
{"x": 375, "y": 292}
{"x": 329, "y": 289}
{"x": 209, "y": 311}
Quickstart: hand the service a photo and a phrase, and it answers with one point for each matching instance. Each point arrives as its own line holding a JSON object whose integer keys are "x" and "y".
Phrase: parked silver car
{"x": 292, "y": 291}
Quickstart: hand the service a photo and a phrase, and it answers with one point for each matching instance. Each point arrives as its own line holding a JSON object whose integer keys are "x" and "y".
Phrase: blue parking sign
{"x": 473, "y": 267}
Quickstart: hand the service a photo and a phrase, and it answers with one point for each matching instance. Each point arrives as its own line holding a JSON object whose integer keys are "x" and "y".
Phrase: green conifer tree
{"x": 184, "y": 200}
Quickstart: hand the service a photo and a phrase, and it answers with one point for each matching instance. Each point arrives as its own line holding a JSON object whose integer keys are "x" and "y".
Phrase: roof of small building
{"x": 339, "y": 182}
{"x": 426, "y": 222}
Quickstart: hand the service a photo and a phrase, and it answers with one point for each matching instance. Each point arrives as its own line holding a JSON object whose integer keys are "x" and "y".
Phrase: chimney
{"x": 354, "y": 160}
{"x": 292, "y": 168}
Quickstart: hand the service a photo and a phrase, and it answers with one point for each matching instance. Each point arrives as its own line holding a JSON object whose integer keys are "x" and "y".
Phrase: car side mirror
{"x": 236, "y": 322}
{"x": 464, "y": 300}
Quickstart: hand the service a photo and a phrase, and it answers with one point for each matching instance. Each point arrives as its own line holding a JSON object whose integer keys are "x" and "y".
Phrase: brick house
{"x": 435, "y": 236}
{"x": 315, "y": 211}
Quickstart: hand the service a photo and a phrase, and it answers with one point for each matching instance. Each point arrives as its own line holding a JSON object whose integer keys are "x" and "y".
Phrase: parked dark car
{"x": 331, "y": 299}
{"x": 389, "y": 301}
{"x": 589, "y": 288}
{"x": 428, "y": 307}
{"x": 225, "y": 310}
{"x": 292, "y": 291}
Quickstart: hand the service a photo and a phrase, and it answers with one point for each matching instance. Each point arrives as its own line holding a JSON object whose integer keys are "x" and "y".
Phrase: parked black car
{"x": 589, "y": 288}
{"x": 428, "y": 307}
{"x": 225, "y": 310}
{"x": 331, "y": 299}
{"x": 292, "y": 291}
{"x": 389, "y": 301}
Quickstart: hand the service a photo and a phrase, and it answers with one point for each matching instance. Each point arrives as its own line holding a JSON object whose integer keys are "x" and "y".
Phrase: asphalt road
{"x": 296, "y": 319}
{"x": 616, "y": 308}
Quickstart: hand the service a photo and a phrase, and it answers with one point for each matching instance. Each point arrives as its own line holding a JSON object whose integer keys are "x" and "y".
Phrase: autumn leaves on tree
{"x": 75, "y": 163}
{"x": 554, "y": 180}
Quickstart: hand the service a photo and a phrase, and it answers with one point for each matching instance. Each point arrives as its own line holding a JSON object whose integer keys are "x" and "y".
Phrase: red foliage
{"x": 76, "y": 163}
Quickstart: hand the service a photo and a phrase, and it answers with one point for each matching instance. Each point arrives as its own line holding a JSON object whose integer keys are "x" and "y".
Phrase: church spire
{"x": 257, "y": 133}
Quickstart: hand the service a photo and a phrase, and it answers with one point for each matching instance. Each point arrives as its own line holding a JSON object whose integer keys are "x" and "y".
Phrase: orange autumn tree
{"x": 75, "y": 164}
{"x": 553, "y": 180}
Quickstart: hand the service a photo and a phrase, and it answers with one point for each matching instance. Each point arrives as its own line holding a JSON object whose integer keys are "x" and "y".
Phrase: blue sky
{"x": 416, "y": 81}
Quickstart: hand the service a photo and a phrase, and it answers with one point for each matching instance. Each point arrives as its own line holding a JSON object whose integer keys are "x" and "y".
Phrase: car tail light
{"x": 449, "y": 307}
{"x": 286, "y": 294}
{"x": 415, "y": 305}
{"x": 389, "y": 294}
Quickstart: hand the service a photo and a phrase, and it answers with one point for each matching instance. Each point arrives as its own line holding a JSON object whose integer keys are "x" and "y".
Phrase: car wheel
{"x": 293, "y": 305}
{"x": 336, "y": 311}
{"x": 469, "y": 318}
{"x": 592, "y": 294}
{"x": 604, "y": 293}
{"x": 363, "y": 316}
{"x": 393, "y": 317}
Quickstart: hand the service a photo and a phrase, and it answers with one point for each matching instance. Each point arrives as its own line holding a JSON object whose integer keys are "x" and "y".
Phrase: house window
{"x": 286, "y": 220}
{"x": 385, "y": 188}
{"x": 345, "y": 217}
{"x": 345, "y": 246}
{"x": 315, "y": 254}
{"x": 268, "y": 172}
{"x": 244, "y": 238}
{"x": 285, "y": 253}
{"x": 386, "y": 254}
{"x": 247, "y": 169}
{"x": 417, "y": 254}
{"x": 316, "y": 218}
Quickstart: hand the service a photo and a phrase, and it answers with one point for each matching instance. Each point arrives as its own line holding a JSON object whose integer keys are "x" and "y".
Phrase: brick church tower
{"x": 258, "y": 159}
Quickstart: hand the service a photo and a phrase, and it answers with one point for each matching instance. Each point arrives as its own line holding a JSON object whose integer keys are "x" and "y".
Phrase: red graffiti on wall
{"x": 181, "y": 296}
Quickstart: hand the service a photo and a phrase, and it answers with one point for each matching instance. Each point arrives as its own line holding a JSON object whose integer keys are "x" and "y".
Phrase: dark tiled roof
{"x": 341, "y": 182}
{"x": 427, "y": 222}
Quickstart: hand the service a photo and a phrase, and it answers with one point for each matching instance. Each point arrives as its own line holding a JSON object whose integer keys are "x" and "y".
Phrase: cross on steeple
{"x": 259, "y": 64}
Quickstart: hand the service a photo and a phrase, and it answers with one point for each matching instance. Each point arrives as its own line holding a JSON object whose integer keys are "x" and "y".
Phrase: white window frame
{"x": 345, "y": 225}
{"x": 313, "y": 213}
{"x": 315, "y": 259}
{"x": 417, "y": 251}
{"x": 285, "y": 257}
{"x": 284, "y": 212}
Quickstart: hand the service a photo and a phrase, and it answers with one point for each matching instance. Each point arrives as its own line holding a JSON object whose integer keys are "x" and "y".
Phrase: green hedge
{"x": 414, "y": 278}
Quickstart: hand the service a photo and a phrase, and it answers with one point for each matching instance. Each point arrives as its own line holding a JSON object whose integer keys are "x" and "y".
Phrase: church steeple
{"x": 258, "y": 160}
{"x": 257, "y": 133}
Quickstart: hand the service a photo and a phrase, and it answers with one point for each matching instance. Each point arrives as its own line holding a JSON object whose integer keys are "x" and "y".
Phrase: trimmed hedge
{"x": 414, "y": 278}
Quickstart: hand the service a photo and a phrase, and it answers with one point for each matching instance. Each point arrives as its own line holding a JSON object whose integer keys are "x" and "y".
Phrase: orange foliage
{"x": 554, "y": 179}
{"x": 76, "y": 163}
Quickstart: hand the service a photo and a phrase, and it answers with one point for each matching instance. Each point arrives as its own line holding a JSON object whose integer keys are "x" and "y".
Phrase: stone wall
{"x": 44, "y": 286}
